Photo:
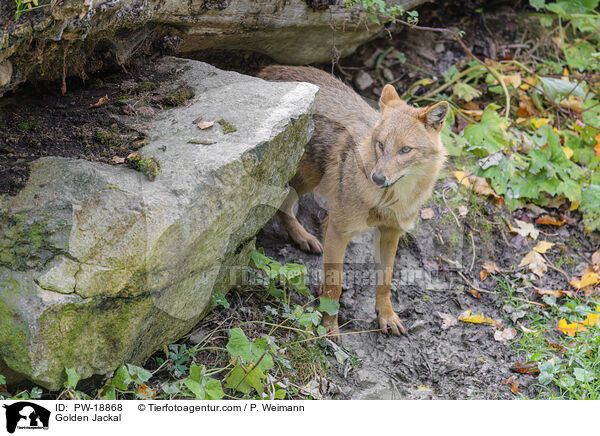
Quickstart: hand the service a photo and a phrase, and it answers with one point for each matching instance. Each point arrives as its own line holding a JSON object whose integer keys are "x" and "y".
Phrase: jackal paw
{"x": 389, "y": 320}
{"x": 308, "y": 243}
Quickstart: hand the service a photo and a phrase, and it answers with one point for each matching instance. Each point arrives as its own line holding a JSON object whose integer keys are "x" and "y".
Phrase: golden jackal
{"x": 375, "y": 168}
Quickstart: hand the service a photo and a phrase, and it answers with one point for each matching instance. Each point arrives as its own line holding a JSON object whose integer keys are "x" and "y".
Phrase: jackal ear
{"x": 435, "y": 115}
{"x": 388, "y": 96}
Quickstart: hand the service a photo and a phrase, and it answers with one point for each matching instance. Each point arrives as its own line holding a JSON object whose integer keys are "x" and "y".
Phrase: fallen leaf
{"x": 530, "y": 368}
{"x": 505, "y": 335}
{"x": 535, "y": 261}
{"x": 447, "y": 320}
{"x": 462, "y": 210}
{"x": 557, "y": 293}
{"x": 481, "y": 186}
{"x": 100, "y": 102}
{"x": 477, "y": 319}
{"x": 130, "y": 155}
{"x": 526, "y": 330}
{"x": 571, "y": 329}
{"x": 427, "y": 213}
{"x": 513, "y": 79}
{"x": 475, "y": 293}
{"x": 543, "y": 246}
{"x": 525, "y": 229}
{"x": 513, "y": 383}
{"x": 549, "y": 220}
{"x": 461, "y": 176}
{"x": 205, "y": 124}
{"x": 597, "y": 146}
{"x": 528, "y": 82}
{"x": 573, "y": 103}
{"x": 590, "y": 278}
{"x": 489, "y": 267}
{"x": 146, "y": 392}
{"x": 539, "y": 122}
{"x": 118, "y": 159}
{"x": 526, "y": 107}
{"x": 592, "y": 319}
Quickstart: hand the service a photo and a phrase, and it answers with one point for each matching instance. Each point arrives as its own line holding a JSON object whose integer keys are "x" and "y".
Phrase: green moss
{"x": 144, "y": 86}
{"x": 26, "y": 126}
{"x": 24, "y": 244}
{"x": 227, "y": 127}
{"x": 179, "y": 96}
{"x": 14, "y": 334}
{"x": 122, "y": 99}
{"x": 149, "y": 166}
{"x": 108, "y": 138}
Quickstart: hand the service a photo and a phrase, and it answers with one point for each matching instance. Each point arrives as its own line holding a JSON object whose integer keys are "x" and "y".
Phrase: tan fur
{"x": 341, "y": 162}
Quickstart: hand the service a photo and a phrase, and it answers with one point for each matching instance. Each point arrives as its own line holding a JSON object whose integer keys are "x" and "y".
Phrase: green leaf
{"x": 566, "y": 382}
{"x": 545, "y": 378}
{"x": 243, "y": 379}
{"x": 2, "y": 380}
{"x": 584, "y": 375}
{"x": 580, "y": 56}
{"x": 558, "y": 89}
{"x": 489, "y": 135}
{"x": 170, "y": 388}
{"x": 220, "y": 300}
{"x": 465, "y": 92}
{"x": 122, "y": 378}
{"x": 214, "y": 390}
{"x": 239, "y": 345}
{"x": 328, "y": 305}
{"x": 108, "y": 393}
{"x": 197, "y": 372}
{"x": 138, "y": 375}
{"x": 538, "y": 4}
{"x": 72, "y": 378}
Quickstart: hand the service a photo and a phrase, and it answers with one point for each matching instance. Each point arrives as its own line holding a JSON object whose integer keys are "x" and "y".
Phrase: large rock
{"x": 76, "y": 37}
{"x": 100, "y": 266}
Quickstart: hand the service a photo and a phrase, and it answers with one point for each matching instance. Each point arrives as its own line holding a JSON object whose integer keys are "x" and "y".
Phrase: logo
{"x": 26, "y": 415}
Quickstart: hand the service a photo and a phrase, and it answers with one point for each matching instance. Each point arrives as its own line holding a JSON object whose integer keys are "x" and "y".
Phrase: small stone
{"x": 440, "y": 47}
{"x": 388, "y": 75}
{"x": 370, "y": 61}
{"x": 363, "y": 80}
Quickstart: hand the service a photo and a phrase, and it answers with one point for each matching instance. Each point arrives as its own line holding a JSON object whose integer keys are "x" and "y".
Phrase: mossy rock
{"x": 101, "y": 266}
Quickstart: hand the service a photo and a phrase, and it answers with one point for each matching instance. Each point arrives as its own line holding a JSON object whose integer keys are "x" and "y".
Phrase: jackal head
{"x": 407, "y": 139}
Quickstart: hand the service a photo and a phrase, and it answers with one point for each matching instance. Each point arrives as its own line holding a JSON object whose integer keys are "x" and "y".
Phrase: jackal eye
{"x": 405, "y": 150}
{"x": 380, "y": 146}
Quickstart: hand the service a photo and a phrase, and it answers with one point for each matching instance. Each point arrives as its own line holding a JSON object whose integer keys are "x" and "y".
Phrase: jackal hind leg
{"x": 305, "y": 240}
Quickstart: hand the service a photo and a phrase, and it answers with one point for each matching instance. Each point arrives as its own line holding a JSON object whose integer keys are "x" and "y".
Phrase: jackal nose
{"x": 378, "y": 178}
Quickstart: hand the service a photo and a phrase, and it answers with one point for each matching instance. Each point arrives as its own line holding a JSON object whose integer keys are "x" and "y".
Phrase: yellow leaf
{"x": 543, "y": 246}
{"x": 477, "y": 319}
{"x": 597, "y": 146}
{"x": 461, "y": 176}
{"x": 512, "y": 79}
{"x": 427, "y": 213}
{"x": 592, "y": 319}
{"x": 568, "y": 152}
{"x": 590, "y": 278}
{"x": 525, "y": 229}
{"x": 539, "y": 122}
{"x": 575, "y": 204}
{"x": 528, "y": 82}
{"x": 536, "y": 263}
{"x": 570, "y": 329}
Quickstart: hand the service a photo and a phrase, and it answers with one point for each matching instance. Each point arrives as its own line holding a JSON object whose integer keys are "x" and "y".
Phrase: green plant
{"x": 24, "y": 6}
{"x": 380, "y": 12}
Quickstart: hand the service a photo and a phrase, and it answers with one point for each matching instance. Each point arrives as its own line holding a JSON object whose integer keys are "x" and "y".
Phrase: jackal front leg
{"x": 333, "y": 258}
{"x": 388, "y": 243}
